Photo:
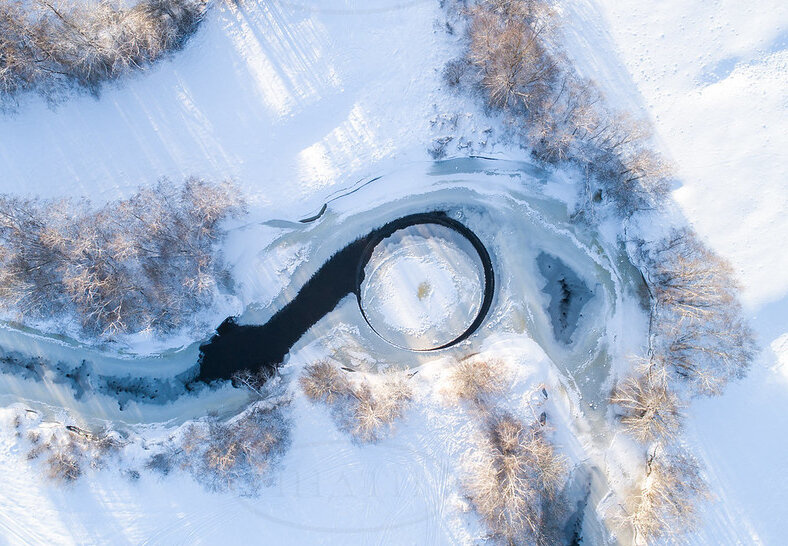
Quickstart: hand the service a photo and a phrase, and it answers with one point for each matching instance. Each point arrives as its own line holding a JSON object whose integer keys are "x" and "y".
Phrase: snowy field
{"x": 713, "y": 76}
{"x": 301, "y": 101}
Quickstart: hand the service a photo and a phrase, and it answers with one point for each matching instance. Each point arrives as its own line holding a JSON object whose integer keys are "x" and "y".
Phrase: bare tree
{"x": 565, "y": 119}
{"x": 258, "y": 383}
{"x": 505, "y": 45}
{"x": 688, "y": 278}
{"x": 511, "y": 475}
{"x": 454, "y": 71}
{"x": 634, "y": 178}
{"x": 524, "y": 74}
{"x": 64, "y": 464}
{"x": 324, "y": 382}
{"x": 142, "y": 263}
{"x": 652, "y": 411}
{"x": 375, "y": 406}
{"x": 475, "y": 378}
{"x": 666, "y": 503}
{"x": 364, "y": 407}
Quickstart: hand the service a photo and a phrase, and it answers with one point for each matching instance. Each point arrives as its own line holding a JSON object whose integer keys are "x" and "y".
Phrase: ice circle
{"x": 423, "y": 287}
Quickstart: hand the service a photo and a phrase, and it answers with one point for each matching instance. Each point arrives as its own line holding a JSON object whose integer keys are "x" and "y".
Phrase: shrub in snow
{"x": 163, "y": 462}
{"x": 365, "y": 407}
{"x": 651, "y": 410}
{"x": 513, "y": 477}
{"x": 144, "y": 263}
{"x": 236, "y": 454}
{"x": 64, "y": 464}
{"x": 699, "y": 331}
{"x": 70, "y": 450}
{"x": 666, "y": 503}
{"x": 47, "y": 46}
{"x": 473, "y": 379}
{"x": 454, "y": 71}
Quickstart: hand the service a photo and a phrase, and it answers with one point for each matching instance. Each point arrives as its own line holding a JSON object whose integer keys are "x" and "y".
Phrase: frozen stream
{"x": 379, "y": 268}
{"x": 505, "y": 204}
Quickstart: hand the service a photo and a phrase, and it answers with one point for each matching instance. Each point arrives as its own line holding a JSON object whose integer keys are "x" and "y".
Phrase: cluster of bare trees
{"x": 237, "y": 454}
{"x": 665, "y": 502}
{"x": 698, "y": 329}
{"x": 698, "y": 342}
{"x": 366, "y": 407}
{"x": 234, "y": 454}
{"x": 67, "y": 451}
{"x": 513, "y": 59}
{"x": 514, "y": 479}
{"x": 513, "y": 476}
{"x": 48, "y": 45}
{"x": 142, "y": 263}
{"x": 698, "y": 337}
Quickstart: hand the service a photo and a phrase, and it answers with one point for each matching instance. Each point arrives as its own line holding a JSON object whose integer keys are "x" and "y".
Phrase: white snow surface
{"x": 714, "y": 76}
{"x": 296, "y": 100}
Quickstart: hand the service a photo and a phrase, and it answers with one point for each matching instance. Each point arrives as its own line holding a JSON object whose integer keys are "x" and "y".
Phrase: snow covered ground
{"x": 714, "y": 77}
{"x": 292, "y": 99}
{"x": 300, "y": 100}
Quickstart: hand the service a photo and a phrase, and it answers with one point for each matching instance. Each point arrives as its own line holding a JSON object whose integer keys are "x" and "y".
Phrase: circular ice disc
{"x": 423, "y": 287}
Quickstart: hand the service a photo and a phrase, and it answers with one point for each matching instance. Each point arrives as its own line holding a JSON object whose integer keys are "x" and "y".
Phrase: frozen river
{"x": 421, "y": 289}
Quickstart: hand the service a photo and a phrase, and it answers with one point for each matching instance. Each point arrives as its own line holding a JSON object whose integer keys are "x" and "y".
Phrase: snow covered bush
{"x": 237, "y": 454}
{"x": 651, "y": 409}
{"x": 473, "y": 379}
{"x": 512, "y": 477}
{"x": 48, "y": 46}
{"x": 666, "y": 502}
{"x": 699, "y": 332}
{"x": 64, "y": 464}
{"x": 69, "y": 450}
{"x": 144, "y": 263}
{"x": 365, "y": 407}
